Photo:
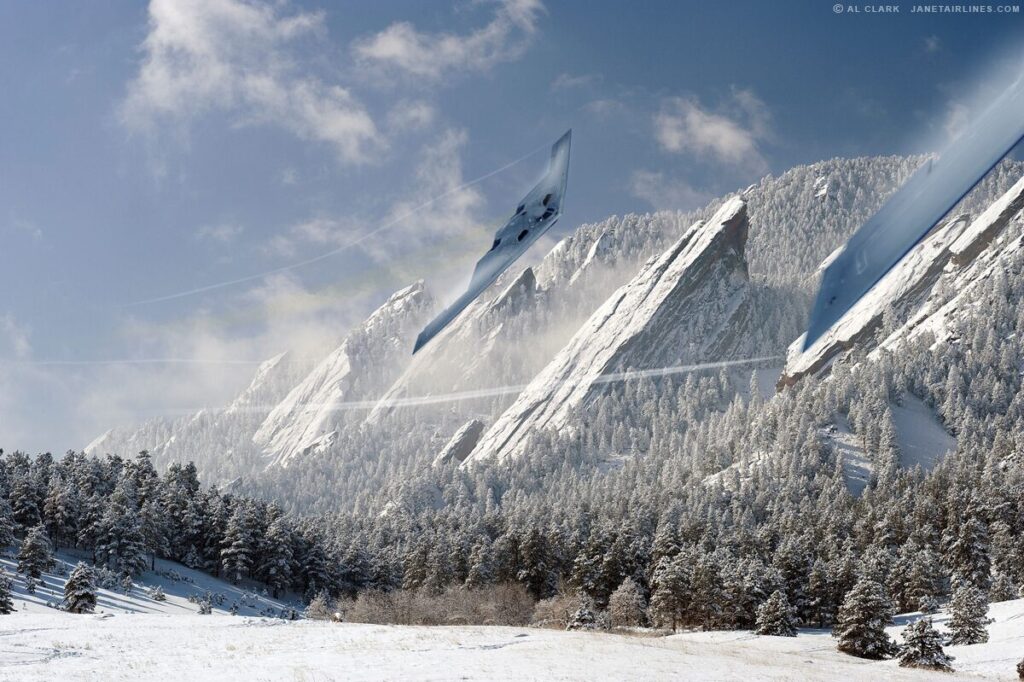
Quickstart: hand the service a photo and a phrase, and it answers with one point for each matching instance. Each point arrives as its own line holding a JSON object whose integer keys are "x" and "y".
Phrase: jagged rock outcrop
{"x": 911, "y": 291}
{"x": 461, "y": 444}
{"x": 365, "y": 363}
{"x": 687, "y": 304}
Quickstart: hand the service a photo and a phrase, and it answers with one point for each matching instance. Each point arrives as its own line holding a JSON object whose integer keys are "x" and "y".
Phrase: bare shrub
{"x": 508, "y": 604}
{"x": 557, "y": 612}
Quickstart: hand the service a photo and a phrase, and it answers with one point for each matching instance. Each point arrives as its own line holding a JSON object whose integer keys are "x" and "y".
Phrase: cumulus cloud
{"x": 731, "y": 134}
{"x": 411, "y": 115}
{"x": 223, "y": 233}
{"x": 437, "y": 207}
{"x": 403, "y": 48}
{"x": 242, "y": 58}
{"x": 662, "y": 192}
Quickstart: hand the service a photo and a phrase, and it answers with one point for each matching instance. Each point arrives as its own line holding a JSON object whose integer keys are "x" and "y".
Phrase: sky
{"x": 188, "y": 187}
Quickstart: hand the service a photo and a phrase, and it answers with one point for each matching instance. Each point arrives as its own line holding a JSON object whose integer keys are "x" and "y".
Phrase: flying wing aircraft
{"x": 907, "y": 217}
{"x": 534, "y": 216}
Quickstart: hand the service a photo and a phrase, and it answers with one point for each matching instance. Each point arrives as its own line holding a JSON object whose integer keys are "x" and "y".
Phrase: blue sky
{"x": 152, "y": 150}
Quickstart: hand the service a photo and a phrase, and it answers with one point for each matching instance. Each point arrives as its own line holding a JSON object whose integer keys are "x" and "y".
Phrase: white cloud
{"x": 224, "y": 233}
{"x": 957, "y": 118}
{"x": 23, "y": 226}
{"x": 411, "y": 115}
{"x": 731, "y": 135}
{"x": 241, "y": 58}
{"x": 14, "y": 338}
{"x": 566, "y": 81}
{"x": 437, "y": 207}
{"x": 662, "y": 192}
{"x": 403, "y": 48}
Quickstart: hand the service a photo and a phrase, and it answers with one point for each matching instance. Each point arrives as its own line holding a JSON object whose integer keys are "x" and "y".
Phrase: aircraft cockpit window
{"x": 497, "y": 242}
{"x": 547, "y": 198}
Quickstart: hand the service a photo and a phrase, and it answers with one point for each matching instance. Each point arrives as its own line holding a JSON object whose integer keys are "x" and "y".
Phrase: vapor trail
{"x": 125, "y": 361}
{"x": 328, "y": 254}
{"x": 496, "y": 391}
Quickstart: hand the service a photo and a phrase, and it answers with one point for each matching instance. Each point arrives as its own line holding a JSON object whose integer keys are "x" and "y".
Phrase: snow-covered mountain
{"x": 690, "y": 304}
{"x": 309, "y": 418}
{"x": 218, "y": 440}
{"x": 914, "y": 296}
{"x": 733, "y": 280}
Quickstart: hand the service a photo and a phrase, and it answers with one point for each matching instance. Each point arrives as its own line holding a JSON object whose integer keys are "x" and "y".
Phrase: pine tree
{"x": 922, "y": 647}
{"x": 120, "y": 543}
{"x": 6, "y": 603}
{"x": 626, "y": 605}
{"x": 671, "y": 589}
{"x": 278, "y": 565}
{"x": 481, "y": 571}
{"x": 968, "y": 621}
{"x": 239, "y": 545}
{"x": 7, "y": 526}
{"x": 585, "y": 617}
{"x": 776, "y": 617}
{"x": 61, "y": 511}
{"x": 80, "y": 590}
{"x": 536, "y": 572}
{"x": 968, "y": 553}
{"x": 860, "y": 625}
{"x": 1020, "y": 669}
{"x": 36, "y": 554}
{"x": 24, "y": 498}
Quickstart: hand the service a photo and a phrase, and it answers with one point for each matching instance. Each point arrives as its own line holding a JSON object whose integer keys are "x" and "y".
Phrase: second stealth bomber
{"x": 534, "y": 216}
{"x": 916, "y": 208}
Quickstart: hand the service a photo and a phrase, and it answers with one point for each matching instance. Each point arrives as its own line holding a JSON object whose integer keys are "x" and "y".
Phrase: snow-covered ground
{"x": 920, "y": 435}
{"x": 52, "y": 645}
{"x": 178, "y": 583}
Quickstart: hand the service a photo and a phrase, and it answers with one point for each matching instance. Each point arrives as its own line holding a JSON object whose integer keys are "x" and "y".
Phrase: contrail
{"x": 328, "y": 254}
{"x": 497, "y": 391}
{"x": 125, "y": 361}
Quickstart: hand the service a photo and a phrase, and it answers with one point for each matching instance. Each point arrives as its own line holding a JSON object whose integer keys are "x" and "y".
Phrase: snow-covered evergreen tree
{"x": 776, "y": 617}
{"x": 861, "y": 621}
{"x": 278, "y": 565}
{"x": 80, "y": 590}
{"x": 6, "y": 602}
{"x": 967, "y": 624}
{"x": 922, "y": 647}
{"x": 36, "y": 553}
{"x": 239, "y": 544}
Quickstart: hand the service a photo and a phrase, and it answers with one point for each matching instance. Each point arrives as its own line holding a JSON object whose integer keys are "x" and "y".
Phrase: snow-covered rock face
{"x": 954, "y": 256}
{"x": 364, "y": 364}
{"x": 461, "y": 444}
{"x": 686, "y": 305}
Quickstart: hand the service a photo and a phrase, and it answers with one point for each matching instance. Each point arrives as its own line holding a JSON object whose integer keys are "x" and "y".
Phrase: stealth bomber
{"x": 534, "y": 216}
{"x": 910, "y": 214}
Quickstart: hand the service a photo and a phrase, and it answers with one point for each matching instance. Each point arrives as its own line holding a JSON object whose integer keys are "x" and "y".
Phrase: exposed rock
{"x": 461, "y": 444}
{"x": 687, "y": 304}
{"x": 365, "y": 363}
{"x": 955, "y": 255}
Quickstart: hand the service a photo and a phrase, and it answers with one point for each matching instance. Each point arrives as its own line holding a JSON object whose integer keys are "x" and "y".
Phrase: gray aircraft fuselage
{"x": 535, "y": 214}
{"x": 908, "y": 216}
